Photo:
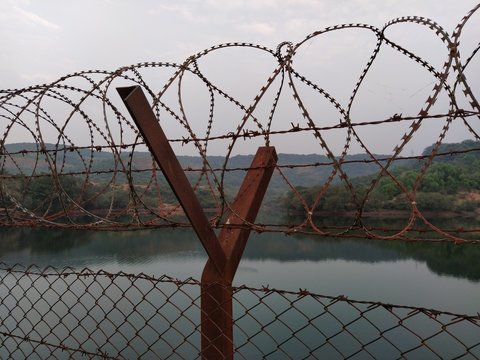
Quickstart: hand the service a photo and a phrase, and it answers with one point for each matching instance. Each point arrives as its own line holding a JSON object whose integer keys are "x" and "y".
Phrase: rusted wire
{"x": 84, "y": 148}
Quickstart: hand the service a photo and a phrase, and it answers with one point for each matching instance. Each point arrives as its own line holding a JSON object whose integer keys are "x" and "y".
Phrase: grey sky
{"x": 43, "y": 40}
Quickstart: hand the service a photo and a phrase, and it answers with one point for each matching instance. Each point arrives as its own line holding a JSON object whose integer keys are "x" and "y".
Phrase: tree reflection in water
{"x": 131, "y": 247}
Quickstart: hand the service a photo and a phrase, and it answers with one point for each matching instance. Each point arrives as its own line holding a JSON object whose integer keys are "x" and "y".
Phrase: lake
{"x": 123, "y": 319}
{"x": 441, "y": 276}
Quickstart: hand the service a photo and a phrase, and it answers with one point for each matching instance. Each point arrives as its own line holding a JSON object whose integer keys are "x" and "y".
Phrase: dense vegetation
{"x": 46, "y": 194}
{"x": 451, "y": 183}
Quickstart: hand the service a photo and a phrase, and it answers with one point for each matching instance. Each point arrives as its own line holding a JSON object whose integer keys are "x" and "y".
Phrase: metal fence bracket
{"x": 225, "y": 252}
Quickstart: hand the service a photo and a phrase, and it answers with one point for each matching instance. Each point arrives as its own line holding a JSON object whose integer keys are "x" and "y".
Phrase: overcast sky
{"x": 43, "y": 40}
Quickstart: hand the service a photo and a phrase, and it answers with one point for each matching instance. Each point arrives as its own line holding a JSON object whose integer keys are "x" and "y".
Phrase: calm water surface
{"x": 441, "y": 276}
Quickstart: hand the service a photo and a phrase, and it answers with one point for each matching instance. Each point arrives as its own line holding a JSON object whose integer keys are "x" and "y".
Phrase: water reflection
{"x": 391, "y": 223}
{"x": 61, "y": 247}
{"x": 58, "y": 246}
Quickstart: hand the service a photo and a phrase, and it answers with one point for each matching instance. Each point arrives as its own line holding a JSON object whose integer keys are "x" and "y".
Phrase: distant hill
{"x": 301, "y": 170}
{"x": 24, "y": 157}
{"x": 451, "y": 182}
{"x": 468, "y": 151}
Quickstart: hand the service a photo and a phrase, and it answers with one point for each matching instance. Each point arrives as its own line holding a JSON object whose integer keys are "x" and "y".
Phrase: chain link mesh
{"x": 51, "y": 313}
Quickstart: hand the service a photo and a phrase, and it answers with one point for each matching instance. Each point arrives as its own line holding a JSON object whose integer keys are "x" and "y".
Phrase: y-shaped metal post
{"x": 224, "y": 253}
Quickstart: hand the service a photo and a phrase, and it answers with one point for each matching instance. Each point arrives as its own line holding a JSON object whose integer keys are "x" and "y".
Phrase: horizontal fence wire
{"x": 59, "y": 314}
{"x": 81, "y": 162}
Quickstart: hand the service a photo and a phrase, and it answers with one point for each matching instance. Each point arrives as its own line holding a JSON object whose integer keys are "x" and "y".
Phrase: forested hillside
{"x": 450, "y": 183}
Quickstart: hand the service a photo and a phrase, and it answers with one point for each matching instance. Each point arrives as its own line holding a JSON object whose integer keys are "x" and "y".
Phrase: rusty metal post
{"x": 224, "y": 252}
{"x": 143, "y": 115}
{"x": 216, "y": 297}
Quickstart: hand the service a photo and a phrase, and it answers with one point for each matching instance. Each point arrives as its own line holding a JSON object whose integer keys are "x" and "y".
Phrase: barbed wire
{"x": 82, "y": 161}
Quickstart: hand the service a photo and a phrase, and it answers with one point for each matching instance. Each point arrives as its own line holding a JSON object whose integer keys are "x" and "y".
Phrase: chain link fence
{"x": 59, "y": 314}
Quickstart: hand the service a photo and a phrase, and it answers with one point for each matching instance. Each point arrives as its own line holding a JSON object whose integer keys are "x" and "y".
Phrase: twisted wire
{"x": 80, "y": 144}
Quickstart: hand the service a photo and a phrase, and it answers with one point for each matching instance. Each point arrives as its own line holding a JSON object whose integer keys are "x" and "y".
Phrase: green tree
{"x": 45, "y": 193}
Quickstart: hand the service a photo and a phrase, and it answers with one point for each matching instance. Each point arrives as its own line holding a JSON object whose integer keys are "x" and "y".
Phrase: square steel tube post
{"x": 143, "y": 115}
{"x": 224, "y": 252}
{"x": 216, "y": 297}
